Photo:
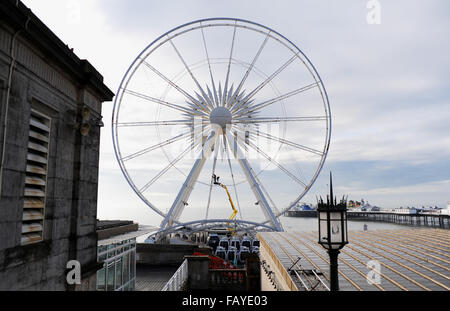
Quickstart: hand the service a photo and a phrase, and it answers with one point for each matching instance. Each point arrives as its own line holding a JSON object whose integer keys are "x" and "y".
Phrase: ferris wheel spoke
{"x": 287, "y": 142}
{"x": 175, "y": 86}
{"x": 215, "y": 99}
{"x": 269, "y": 79}
{"x": 224, "y": 98}
{"x": 191, "y": 74}
{"x": 154, "y": 123}
{"x": 264, "y": 189}
{"x": 199, "y": 130}
{"x": 186, "y": 189}
{"x": 216, "y": 152}
{"x": 277, "y": 99}
{"x": 165, "y": 103}
{"x": 166, "y": 169}
{"x": 247, "y": 120}
{"x": 232, "y": 175}
{"x": 252, "y": 180}
{"x": 213, "y": 94}
{"x": 238, "y": 90}
{"x": 274, "y": 162}
{"x": 157, "y": 146}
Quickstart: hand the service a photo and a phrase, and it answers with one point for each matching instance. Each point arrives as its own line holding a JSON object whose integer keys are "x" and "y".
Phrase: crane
{"x": 235, "y": 211}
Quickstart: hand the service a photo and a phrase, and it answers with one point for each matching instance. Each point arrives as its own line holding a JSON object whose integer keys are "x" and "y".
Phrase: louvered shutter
{"x": 36, "y": 179}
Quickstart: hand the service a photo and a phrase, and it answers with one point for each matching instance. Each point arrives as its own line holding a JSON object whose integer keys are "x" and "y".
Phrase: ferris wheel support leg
{"x": 254, "y": 184}
{"x": 183, "y": 195}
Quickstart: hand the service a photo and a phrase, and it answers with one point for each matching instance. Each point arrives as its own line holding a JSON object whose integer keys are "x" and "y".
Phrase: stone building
{"x": 50, "y": 120}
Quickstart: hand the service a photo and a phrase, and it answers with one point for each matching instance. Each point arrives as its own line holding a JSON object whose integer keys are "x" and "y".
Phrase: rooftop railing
{"x": 179, "y": 279}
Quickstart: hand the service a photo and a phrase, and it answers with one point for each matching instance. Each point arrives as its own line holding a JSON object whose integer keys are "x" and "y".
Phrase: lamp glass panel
{"x": 322, "y": 215}
{"x": 335, "y": 215}
{"x": 336, "y": 227}
{"x": 323, "y": 234}
{"x": 345, "y": 224}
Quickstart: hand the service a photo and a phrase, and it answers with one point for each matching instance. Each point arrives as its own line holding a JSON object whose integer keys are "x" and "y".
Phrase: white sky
{"x": 387, "y": 84}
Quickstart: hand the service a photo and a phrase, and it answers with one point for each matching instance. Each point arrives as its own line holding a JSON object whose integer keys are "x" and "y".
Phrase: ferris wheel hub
{"x": 220, "y": 116}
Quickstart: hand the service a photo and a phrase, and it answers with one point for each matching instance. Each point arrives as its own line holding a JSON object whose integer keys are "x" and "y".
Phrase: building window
{"x": 36, "y": 178}
{"x": 119, "y": 266}
{"x": 101, "y": 279}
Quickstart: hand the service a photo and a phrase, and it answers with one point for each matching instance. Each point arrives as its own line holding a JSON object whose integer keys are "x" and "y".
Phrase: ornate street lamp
{"x": 332, "y": 231}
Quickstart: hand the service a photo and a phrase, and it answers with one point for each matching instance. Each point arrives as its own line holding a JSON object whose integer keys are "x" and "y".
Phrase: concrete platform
{"x": 407, "y": 259}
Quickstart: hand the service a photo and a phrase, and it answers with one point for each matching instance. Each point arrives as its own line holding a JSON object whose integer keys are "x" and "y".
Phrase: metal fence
{"x": 179, "y": 279}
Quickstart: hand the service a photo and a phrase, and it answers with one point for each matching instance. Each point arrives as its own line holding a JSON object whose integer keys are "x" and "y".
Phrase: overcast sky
{"x": 388, "y": 85}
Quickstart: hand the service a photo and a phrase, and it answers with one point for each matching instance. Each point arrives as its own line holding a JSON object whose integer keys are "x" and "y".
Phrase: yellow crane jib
{"x": 216, "y": 182}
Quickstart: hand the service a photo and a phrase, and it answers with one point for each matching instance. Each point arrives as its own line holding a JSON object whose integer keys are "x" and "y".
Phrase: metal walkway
{"x": 406, "y": 259}
{"x": 149, "y": 278}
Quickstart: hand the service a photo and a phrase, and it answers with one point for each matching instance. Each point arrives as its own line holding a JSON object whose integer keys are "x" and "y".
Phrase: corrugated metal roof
{"x": 409, "y": 259}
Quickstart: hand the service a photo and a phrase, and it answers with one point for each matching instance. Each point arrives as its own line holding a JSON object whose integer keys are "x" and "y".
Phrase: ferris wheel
{"x": 227, "y": 102}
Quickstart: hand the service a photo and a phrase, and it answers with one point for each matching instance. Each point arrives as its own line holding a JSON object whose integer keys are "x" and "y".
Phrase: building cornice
{"x": 17, "y": 16}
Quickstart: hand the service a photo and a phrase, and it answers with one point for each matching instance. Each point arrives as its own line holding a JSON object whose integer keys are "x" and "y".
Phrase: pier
{"x": 426, "y": 220}
{"x": 382, "y": 260}
{"x": 418, "y": 219}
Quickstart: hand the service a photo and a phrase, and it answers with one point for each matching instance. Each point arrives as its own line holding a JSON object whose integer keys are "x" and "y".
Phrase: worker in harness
{"x": 216, "y": 182}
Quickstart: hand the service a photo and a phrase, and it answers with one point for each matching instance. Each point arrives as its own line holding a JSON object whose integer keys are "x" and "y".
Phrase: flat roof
{"x": 107, "y": 224}
{"x": 143, "y": 230}
{"x": 415, "y": 259}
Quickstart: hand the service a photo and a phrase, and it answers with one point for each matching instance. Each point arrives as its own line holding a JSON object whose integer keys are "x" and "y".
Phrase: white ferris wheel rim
{"x": 202, "y": 24}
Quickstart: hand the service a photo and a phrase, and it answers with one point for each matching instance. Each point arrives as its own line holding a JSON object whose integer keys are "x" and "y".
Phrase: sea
{"x": 310, "y": 224}
{"x": 291, "y": 224}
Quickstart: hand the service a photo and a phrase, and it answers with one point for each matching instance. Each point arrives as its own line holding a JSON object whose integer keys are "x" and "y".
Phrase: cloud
{"x": 387, "y": 85}
{"x": 418, "y": 195}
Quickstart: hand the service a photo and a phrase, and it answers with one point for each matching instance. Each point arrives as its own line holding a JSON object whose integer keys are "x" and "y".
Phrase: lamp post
{"x": 332, "y": 231}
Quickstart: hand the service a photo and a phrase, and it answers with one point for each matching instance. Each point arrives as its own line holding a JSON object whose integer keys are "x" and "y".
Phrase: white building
{"x": 405, "y": 210}
{"x": 447, "y": 211}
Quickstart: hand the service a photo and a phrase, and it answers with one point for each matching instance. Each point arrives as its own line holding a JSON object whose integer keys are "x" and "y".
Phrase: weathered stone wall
{"x": 71, "y": 191}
